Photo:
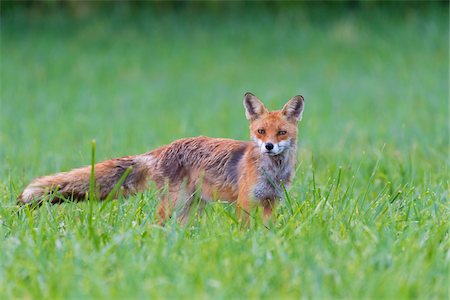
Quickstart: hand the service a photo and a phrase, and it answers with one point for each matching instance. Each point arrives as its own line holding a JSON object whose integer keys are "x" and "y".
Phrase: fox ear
{"x": 254, "y": 108}
{"x": 293, "y": 110}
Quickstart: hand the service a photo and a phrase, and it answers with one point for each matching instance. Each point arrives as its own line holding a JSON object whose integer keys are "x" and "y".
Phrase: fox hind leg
{"x": 177, "y": 201}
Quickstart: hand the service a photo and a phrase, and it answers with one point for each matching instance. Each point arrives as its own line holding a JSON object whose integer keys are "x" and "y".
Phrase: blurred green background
{"x": 137, "y": 75}
{"x": 370, "y": 202}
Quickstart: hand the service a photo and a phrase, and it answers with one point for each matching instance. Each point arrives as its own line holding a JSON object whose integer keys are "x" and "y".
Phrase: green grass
{"x": 368, "y": 212}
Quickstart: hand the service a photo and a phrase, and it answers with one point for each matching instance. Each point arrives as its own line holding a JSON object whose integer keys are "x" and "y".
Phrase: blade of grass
{"x": 116, "y": 187}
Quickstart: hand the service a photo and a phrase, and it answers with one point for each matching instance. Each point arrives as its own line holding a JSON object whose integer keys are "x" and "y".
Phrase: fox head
{"x": 274, "y": 132}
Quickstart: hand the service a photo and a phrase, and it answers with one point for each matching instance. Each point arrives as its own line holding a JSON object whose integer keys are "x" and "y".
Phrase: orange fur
{"x": 249, "y": 173}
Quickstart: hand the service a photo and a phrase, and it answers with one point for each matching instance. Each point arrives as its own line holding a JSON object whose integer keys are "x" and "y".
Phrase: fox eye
{"x": 261, "y": 131}
{"x": 282, "y": 132}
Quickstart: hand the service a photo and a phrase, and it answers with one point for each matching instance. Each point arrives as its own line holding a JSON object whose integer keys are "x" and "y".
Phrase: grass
{"x": 366, "y": 217}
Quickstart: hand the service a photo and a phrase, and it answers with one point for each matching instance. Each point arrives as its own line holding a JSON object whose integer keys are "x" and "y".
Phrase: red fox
{"x": 249, "y": 173}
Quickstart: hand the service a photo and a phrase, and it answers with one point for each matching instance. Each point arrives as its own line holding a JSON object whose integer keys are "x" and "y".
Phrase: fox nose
{"x": 269, "y": 146}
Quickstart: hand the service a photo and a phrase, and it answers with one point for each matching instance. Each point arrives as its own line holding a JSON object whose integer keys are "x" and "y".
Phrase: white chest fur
{"x": 273, "y": 171}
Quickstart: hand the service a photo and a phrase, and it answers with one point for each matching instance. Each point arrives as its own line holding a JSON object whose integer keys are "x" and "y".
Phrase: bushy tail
{"x": 74, "y": 185}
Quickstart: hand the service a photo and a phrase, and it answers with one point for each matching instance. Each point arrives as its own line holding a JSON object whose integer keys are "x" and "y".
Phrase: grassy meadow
{"x": 367, "y": 216}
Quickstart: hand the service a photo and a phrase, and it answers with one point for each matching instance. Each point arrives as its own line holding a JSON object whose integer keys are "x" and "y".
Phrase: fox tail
{"x": 75, "y": 184}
